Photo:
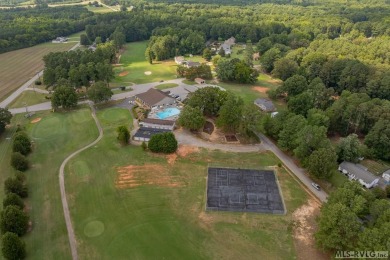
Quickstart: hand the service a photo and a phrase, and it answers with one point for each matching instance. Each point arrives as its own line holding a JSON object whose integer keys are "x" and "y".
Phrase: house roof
{"x": 158, "y": 121}
{"x": 146, "y": 132}
{"x": 179, "y": 58}
{"x": 192, "y": 63}
{"x": 153, "y": 96}
{"x": 230, "y": 41}
{"x": 269, "y": 106}
{"x": 359, "y": 171}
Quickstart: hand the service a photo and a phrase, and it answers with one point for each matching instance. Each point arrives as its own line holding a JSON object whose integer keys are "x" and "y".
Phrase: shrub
{"x": 14, "y": 220}
{"x": 163, "y": 143}
{"x": 14, "y": 185}
{"x": 144, "y": 146}
{"x": 388, "y": 191}
{"x": 379, "y": 193}
{"x": 12, "y": 246}
{"x": 38, "y": 82}
{"x": 19, "y": 161}
{"x": 123, "y": 134}
{"x": 20, "y": 176}
{"x": 21, "y": 143}
{"x": 12, "y": 199}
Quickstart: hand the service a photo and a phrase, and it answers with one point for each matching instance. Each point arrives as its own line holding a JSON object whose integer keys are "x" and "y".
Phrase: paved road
{"x": 17, "y": 92}
{"x": 68, "y": 221}
{"x": 299, "y": 172}
{"x": 37, "y": 90}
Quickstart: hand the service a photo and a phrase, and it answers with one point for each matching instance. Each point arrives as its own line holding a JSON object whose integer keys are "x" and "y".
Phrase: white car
{"x": 316, "y": 186}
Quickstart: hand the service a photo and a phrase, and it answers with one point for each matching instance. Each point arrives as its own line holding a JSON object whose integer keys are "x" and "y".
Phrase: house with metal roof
{"x": 265, "y": 104}
{"x": 359, "y": 173}
{"x": 144, "y": 134}
{"x": 157, "y": 123}
{"x": 153, "y": 98}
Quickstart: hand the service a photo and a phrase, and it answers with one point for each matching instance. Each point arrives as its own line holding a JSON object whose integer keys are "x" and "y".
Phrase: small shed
{"x": 265, "y": 104}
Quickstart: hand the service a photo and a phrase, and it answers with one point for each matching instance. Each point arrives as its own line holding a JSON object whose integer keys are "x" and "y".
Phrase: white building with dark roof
{"x": 153, "y": 98}
{"x": 157, "y": 123}
{"x": 359, "y": 173}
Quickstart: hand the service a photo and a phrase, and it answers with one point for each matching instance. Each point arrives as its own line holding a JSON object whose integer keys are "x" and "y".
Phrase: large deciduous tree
{"x": 21, "y": 143}
{"x": 191, "y": 118}
{"x": 99, "y": 92}
{"x": 5, "y": 118}
{"x": 284, "y": 68}
{"x": 322, "y": 163}
{"x": 350, "y": 149}
{"x": 64, "y": 97}
{"x": 15, "y": 220}
{"x": 378, "y": 139}
{"x": 15, "y": 185}
{"x": 13, "y": 199}
{"x": 230, "y": 114}
{"x": 209, "y": 100}
{"x": 19, "y": 161}
{"x": 163, "y": 143}
{"x": 12, "y": 246}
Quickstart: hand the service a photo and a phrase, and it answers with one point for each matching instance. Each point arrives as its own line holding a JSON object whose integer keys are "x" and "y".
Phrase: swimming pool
{"x": 168, "y": 112}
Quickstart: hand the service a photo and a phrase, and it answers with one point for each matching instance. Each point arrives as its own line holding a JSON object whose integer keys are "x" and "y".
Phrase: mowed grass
{"x": 166, "y": 85}
{"x": 99, "y": 10}
{"x": 17, "y": 67}
{"x": 249, "y": 93}
{"x": 28, "y": 98}
{"x": 55, "y": 137}
{"x": 133, "y": 61}
{"x": 155, "y": 221}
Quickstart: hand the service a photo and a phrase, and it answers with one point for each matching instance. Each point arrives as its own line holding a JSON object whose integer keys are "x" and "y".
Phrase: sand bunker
{"x": 148, "y": 73}
{"x": 123, "y": 73}
{"x": 36, "y": 120}
{"x": 261, "y": 89}
{"x": 150, "y": 174}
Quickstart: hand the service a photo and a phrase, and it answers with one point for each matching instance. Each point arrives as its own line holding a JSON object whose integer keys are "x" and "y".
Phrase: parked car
{"x": 316, "y": 186}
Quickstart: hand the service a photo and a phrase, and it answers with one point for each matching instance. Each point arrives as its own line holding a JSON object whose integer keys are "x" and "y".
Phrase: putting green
{"x": 44, "y": 128}
{"x": 115, "y": 115}
{"x": 94, "y": 228}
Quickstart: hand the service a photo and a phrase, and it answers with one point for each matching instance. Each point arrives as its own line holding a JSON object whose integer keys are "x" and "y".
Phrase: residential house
{"x": 153, "y": 98}
{"x": 231, "y": 41}
{"x": 265, "y": 104}
{"x": 158, "y": 123}
{"x": 179, "y": 60}
{"x": 199, "y": 81}
{"x": 386, "y": 177}
{"x": 145, "y": 133}
{"x": 60, "y": 40}
{"x": 191, "y": 64}
{"x": 359, "y": 173}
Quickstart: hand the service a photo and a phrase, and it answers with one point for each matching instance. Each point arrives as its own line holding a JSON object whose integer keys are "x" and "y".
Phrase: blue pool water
{"x": 168, "y": 112}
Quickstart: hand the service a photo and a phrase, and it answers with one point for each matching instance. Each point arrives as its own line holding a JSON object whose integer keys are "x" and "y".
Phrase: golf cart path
{"x": 65, "y": 206}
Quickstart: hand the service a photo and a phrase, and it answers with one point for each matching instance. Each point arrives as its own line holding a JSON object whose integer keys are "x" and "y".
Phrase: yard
{"x": 135, "y": 69}
{"x": 55, "y": 136}
{"x": 119, "y": 204}
{"x": 28, "y": 98}
{"x": 17, "y": 67}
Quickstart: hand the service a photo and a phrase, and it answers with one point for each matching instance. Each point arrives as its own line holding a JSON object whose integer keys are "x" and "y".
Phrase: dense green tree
{"x": 379, "y": 87}
{"x": 207, "y": 54}
{"x": 354, "y": 77}
{"x": 12, "y": 247}
{"x": 118, "y": 37}
{"x": 322, "y": 163}
{"x": 203, "y": 71}
{"x": 264, "y": 45}
{"x": 310, "y": 139}
{"x": 15, "y": 220}
{"x": 99, "y": 92}
{"x": 317, "y": 117}
{"x": 123, "y": 134}
{"x": 163, "y": 143}
{"x": 338, "y": 228}
{"x": 291, "y": 129}
{"x": 208, "y": 99}
{"x": 230, "y": 114}
{"x": 269, "y": 57}
{"x": 301, "y": 103}
{"x": 350, "y": 149}
{"x": 294, "y": 85}
{"x": 64, "y": 97}
{"x": 149, "y": 55}
{"x": 5, "y": 118}
{"x": 236, "y": 70}
{"x": 14, "y": 185}
{"x": 284, "y": 68}
{"x": 19, "y": 162}
{"x": 21, "y": 143}
{"x": 14, "y": 200}
{"x": 250, "y": 120}
{"x": 84, "y": 40}
{"x": 191, "y": 118}
{"x": 378, "y": 139}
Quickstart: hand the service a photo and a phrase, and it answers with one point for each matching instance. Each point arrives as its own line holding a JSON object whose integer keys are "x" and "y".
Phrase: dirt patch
{"x": 140, "y": 175}
{"x": 123, "y": 73}
{"x": 36, "y": 120}
{"x": 171, "y": 158}
{"x": 261, "y": 89}
{"x": 206, "y": 218}
{"x": 304, "y": 229}
{"x": 185, "y": 150}
{"x": 148, "y": 73}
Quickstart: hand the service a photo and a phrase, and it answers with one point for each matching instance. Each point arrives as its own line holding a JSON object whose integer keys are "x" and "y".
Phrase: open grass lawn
{"x": 17, "y": 67}
{"x": 28, "y": 98}
{"x": 99, "y": 10}
{"x": 166, "y": 85}
{"x": 251, "y": 92}
{"x": 134, "y": 66}
{"x": 55, "y": 137}
{"x": 155, "y": 210}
